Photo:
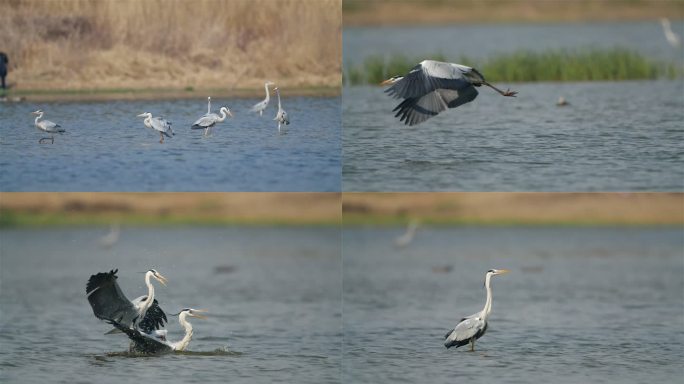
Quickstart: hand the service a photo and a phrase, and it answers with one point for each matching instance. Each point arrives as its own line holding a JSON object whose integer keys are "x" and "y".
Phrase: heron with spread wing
{"x": 155, "y": 342}
{"x": 474, "y": 326}
{"x": 434, "y": 86}
{"x": 109, "y": 302}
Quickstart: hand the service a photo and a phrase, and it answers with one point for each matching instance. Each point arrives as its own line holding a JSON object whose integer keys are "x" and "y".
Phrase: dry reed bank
{"x": 171, "y": 44}
{"x": 395, "y": 12}
{"x": 515, "y": 208}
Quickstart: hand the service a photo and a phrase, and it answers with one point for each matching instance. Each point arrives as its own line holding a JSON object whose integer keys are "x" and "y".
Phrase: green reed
{"x": 588, "y": 64}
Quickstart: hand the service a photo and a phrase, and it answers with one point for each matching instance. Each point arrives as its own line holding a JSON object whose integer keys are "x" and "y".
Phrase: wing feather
{"x": 141, "y": 342}
{"x": 107, "y": 300}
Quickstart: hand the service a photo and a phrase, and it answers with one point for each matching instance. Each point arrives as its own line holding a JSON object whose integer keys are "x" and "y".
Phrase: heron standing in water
{"x": 281, "y": 116}
{"x": 474, "y": 326}
{"x": 434, "y": 86}
{"x": 261, "y": 106}
{"x": 47, "y": 126}
{"x": 207, "y": 121}
{"x": 158, "y": 124}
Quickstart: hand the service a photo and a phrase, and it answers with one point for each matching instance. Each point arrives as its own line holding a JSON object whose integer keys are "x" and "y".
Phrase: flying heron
{"x": 281, "y": 116}
{"x": 109, "y": 303}
{"x": 261, "y": 106}
{"x": 433, "y": 86}
{"x": 155, "y": 342}
{"x": 474, "y": 326}
{"x": 158, "y": 124}
{"x": 47, "y": 126}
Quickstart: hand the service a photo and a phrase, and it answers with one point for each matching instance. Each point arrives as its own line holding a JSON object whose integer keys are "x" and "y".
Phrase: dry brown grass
{"x": 388, "y": 12}
{"x": 86, "y": 44}
{"x": 517, "y": 208}
{"x": 162, "y": 208}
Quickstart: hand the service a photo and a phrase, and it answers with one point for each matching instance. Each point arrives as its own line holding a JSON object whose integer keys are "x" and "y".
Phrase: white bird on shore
{"x": 670, "y": 36}
{"x": 407, "y": 237}
{"x": 47, "y": 126}
{"x": 281, "y": 116}
{"x": 261, "y": 106}
{"x": 158, "y": 124}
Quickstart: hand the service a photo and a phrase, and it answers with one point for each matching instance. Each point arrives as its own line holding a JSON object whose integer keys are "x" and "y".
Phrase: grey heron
{"x": 156, "y": 342}
{"x": 47, "y": 126}
{"x": 207, "y": 121}
{"x": 261, "y": 106}
{"x": 158, "y": 124}
{"x": 434, "y": 86}
{"x": 670, "y": 36}
{"x": 281, "y": 116}
{"x": 109, "y": 302}
{"x": 407, "y": 237}
{"x": 474, "y": 326}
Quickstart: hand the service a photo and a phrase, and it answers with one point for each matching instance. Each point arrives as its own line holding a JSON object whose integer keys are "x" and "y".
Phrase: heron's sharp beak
{"x": 503, "y": 271}
{"x": 162, "y": 279}
{"x": 386, "y": 82}
{"x": 141, "y": 115}
{"x": 199, "y": 316}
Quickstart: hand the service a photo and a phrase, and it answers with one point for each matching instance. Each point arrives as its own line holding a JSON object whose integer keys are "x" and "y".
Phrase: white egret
{"x": 47, "y": 126}
{"x": 281, "y": 116}
{"x": 112, "y": 237}
{"x": 261, "y": 106}
{"x": 670, "y": 36}
{"x": 207, "y": 121}
{"x": 433, "y": 86}
{"x": 474, "y": 326}
{"x": 109, "y": 303}
{"x": 407, "y": 237}
{"x": 155, "y": 342}
{"x": 158, "y": 124}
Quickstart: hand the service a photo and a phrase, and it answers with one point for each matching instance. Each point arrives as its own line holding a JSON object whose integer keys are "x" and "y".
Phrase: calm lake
{"x": 273, "y": 296}
{"x": 107, "y": 148}
{"x": 613, "y": 136}
{"x": 590, "y": 305}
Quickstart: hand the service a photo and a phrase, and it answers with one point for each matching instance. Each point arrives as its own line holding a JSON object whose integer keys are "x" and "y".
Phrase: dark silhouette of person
{"x": 3, "y": 68}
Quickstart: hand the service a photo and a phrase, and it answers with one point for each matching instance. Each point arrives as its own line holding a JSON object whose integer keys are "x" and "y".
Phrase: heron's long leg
{"x": 507, "y": 92}
{"x": 162, "y": 138}
{"x": 472, "y": 345}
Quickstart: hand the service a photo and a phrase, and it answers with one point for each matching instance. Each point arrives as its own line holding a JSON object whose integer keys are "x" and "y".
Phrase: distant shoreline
{"x": 357, "y": 13}
{"x": 49, "y": 95}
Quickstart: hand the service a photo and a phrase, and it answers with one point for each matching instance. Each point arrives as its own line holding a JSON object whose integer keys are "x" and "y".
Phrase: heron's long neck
{"x": 209, "y": 105}
{"x": 40, "y": 116}
{"x": 488, "y": 304}
{"x": 181, "y": 345}
{"x": 148, "y": 122}
{"x": 278, "y": 93}
{"x": 150, "y": 294}
{"x": 268, "y": 96}
{"x": 223, "y": 115}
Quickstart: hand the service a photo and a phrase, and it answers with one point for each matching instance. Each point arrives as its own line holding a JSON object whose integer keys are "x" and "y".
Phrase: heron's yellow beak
{"x": 162, "y": 279}
{"x": 195, "y": 314}
{"x": 503, "y": 271}
{"x": 142, "y": 115}
{"x": 386, "y": 82}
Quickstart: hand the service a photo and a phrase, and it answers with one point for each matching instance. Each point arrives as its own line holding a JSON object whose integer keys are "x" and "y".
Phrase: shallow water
{"x": 107, "y": 148}
{"x": 273, "y": 296}
{"x": 614, "y": 136}
{"x": 480, "y": 41}
{"x": 580, "y": 305}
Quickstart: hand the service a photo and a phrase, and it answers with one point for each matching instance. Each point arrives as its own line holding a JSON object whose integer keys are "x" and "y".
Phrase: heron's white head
{"x": 270, "y": 83}
{"x": 392, "y": 80}
{"x": 495, "y": 272}
{"x": 228, "y": 112}
{"x": 145, "y": 114}
{"x": 197, "y": 313}
{"x": 157, "y": 276}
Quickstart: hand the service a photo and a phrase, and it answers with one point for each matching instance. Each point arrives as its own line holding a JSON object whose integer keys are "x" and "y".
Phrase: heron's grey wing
{"x": 49, "y": 126}
{"x": 107, "y": 300}
{"x": 258, "y": 106}
{"x": 416, "y": 110}
{"x": 142, "y": 343}
{"x": 154, "y": 318}
{"x": 162, "y": 126}
{"x": 466, "y": 330}
{"x": 427, "y": 77}
{"x": 205, "y": 121}
{"x": 286, "y": 120}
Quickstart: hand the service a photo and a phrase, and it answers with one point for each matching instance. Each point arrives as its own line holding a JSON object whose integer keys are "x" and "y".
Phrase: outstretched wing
{"x": 155, "y": 318}
{"x": 141, "y": 342}
{"x": 414, "y": 111}
{"x": 427, "y": 77}
{"x": 107, "y": 300}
